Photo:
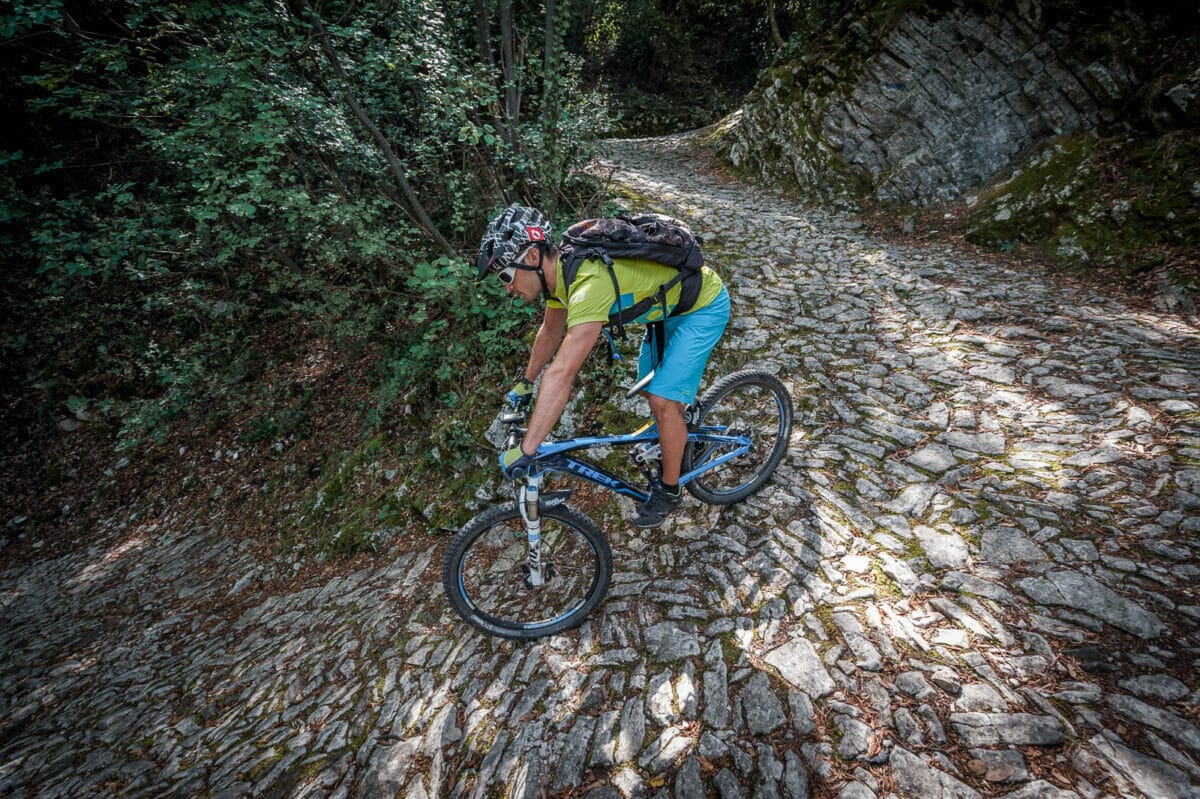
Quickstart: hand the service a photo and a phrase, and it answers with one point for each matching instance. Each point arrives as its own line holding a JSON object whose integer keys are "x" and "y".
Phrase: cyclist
{"x": 517, "y": 248}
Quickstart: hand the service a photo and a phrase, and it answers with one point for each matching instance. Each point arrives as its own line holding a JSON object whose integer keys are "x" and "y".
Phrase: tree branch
{"x": 412, "y": 202}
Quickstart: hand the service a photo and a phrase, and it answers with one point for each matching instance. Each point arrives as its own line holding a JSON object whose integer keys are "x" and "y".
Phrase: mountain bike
{"x": 537, "y": 566}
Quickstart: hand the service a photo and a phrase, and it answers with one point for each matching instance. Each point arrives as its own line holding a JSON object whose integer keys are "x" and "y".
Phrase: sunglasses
{"x": 509, "y": 273}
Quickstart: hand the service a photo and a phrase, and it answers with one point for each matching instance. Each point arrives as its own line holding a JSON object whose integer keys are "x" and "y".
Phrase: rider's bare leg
{"x": 672, "y": 432}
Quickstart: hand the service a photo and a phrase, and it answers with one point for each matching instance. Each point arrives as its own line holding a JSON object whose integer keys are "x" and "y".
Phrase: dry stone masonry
{"x": 974, "y": 575}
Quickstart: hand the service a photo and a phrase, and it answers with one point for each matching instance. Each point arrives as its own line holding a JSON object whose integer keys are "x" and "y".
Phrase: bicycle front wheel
{"x": 751, "y": 403}
{"x": 485, "y": 572}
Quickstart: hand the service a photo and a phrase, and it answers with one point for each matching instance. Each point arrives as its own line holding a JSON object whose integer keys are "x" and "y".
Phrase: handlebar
{"x": 514, "y": 418}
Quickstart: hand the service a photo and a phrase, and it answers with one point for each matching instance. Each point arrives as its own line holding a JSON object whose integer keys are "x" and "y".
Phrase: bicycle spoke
{"x": 752, "y": 405}
{"x": 493, "y": 574}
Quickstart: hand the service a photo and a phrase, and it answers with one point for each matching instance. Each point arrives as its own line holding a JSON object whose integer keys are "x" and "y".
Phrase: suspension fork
{"x": 528, "y": 498}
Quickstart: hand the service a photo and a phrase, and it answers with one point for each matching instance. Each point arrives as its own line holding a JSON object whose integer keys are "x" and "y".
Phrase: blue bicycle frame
{"x": 556, "y": 457}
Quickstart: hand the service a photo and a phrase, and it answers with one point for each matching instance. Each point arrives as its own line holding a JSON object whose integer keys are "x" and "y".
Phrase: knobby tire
{"x": 484, "y": 578}
{"x": 747, "y": 401}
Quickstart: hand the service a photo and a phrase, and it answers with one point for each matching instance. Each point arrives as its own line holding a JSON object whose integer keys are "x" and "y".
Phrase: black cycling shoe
{"x": 656, "y": 509}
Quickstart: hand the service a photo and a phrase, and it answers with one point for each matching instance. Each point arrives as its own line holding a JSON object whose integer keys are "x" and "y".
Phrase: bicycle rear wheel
{"x": 751, "y": 403}
{"x": 484, "y": 572}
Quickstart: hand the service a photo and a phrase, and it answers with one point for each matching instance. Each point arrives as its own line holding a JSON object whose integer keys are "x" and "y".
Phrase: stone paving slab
{"x": 973, "y": 575}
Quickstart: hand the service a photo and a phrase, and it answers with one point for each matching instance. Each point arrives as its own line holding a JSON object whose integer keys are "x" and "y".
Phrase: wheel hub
{"x": 548, "y": 574}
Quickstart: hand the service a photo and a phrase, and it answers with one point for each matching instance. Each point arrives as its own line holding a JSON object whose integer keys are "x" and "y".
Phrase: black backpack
{"x": 652, "y": 237}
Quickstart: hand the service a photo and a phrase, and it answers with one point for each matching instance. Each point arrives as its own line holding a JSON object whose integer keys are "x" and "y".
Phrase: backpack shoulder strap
{"x": 573, "y": 258}
{"x": 689, "y": 292}
{"x": 571, "y": 261}
{"x": 661, "y": 239}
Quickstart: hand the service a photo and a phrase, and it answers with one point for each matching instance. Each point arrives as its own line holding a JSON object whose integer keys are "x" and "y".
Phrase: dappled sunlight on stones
{"x": 99, "y": 568}
{"x": 671, "y": 641}
{"x": 1147, "y": 775}
{"x": 914, "y": 777}
{"x": 935, "y": 458}
{"x": 1071, "y": 589}
{"x": 1157, "y": 686}
{"x": 1040, "y": 789}
{"x": 797, "y": 662}
{"x": 1023, "y": 729}
{"x": 983, "y": 538}
{"x": 1002, "y": 545}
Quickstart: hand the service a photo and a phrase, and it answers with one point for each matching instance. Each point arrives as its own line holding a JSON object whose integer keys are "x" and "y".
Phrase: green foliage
{"x": 656, "y": 45}
{"x": 337, "y": 521}
{"x": 830, "y": 37}
{"x": 458, "y": 333}
{"x": 646, "y": 114}
{"x": 184, "y": 179}
{"x": 191, "y": 202}
{"x": 665, "y": 66}
{"x": 285, "y": 420}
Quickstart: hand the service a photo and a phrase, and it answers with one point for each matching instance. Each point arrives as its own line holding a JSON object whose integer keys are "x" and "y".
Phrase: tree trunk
{"x": 776, "y": 36}
{"x": 549, "y": 62}
{"x": 550, "y": 97}
{"x": 483, "y": 40}
{"x": 483, "y": 35}
{"x": 508, "y": 59}
{"x": 411, "y": 202}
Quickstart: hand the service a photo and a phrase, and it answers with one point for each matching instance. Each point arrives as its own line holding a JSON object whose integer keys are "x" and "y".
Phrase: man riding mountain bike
{"x": 517, "y": 248}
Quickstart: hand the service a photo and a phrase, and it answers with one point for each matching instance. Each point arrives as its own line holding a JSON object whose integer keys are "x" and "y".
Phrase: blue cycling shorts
{"x": 690, "y": 339}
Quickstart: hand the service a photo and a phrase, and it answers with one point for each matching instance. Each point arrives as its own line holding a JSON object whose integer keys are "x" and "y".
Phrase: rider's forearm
{"x": 546, "y": 342}
{"x": 552, "y": 399}
{"x": 560, "y": 377}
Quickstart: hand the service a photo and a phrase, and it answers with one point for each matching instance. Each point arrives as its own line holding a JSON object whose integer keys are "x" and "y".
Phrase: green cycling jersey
{"x": 592, "y": 298}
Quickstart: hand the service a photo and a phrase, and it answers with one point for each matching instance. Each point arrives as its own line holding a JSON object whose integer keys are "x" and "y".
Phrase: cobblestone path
{"x": 974, "y": 575}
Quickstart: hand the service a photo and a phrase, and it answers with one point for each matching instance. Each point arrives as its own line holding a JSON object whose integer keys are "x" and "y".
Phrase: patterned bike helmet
{"x": 508, "y": 235}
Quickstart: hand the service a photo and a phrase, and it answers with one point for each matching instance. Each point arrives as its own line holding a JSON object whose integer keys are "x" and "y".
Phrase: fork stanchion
{"x": 530, "y": 511}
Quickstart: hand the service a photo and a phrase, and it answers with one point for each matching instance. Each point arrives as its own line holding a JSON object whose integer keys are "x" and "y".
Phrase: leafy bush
{"x": 457, "y": 333}
{"x": 196, "y": 198}
{"x": 186, "y": 179}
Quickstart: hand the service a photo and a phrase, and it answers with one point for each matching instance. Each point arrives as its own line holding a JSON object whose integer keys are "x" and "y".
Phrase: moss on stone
{"x": 1090, "y": 201}
{"x": 1033, "y": 205}
{"x": 1125, "y": 198}
{"x": 792, "y": 157}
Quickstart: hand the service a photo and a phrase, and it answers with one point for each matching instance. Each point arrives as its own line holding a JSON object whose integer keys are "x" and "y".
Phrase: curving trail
{"x": 974, "y": 575}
